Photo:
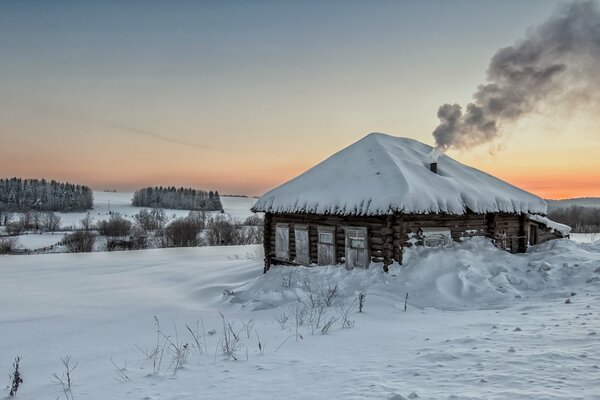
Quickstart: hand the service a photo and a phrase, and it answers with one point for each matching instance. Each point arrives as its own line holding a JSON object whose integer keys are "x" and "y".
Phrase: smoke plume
{"x": 559, "y": 58}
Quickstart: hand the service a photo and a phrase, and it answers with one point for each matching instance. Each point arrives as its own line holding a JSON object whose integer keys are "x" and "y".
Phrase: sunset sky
{"x": 240, "y": 96}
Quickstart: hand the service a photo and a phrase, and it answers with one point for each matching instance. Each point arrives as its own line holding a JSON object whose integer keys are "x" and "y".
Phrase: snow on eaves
{"x": 382, "y": 174}
{"x": 562, "y": 229}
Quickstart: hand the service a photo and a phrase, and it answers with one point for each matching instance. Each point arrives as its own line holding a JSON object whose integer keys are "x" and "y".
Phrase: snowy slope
{"x": 380, "y": 174}
{"x": 481, "y": 323}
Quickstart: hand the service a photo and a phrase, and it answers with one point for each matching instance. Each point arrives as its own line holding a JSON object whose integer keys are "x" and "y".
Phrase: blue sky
{"x": 125, "y": 85}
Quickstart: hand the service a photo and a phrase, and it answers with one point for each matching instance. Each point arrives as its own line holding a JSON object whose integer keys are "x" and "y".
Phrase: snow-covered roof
{"x": 381, "y": 174}
{"x": 562, "y": 229}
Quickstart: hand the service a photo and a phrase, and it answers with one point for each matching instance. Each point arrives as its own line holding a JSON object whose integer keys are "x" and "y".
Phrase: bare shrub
{"x": 327, "y": 324}
{"x": 282, "y": 319}
{"x": 152, "y": 220}
{"x": 80, "y": 241}
{"x": 179, "y": 351}
{"x": 344, "y": 312}
{"x": 248, "y": 327}
{"x": 15, "y": 228}
{"x": 116, "y": 226}
{"x": 15, "y": 377}
{"x": 157, "y": 352}
{"x": 230, "y": 340}
{"x": 222, "y": 232}
{"x": 362, "y": 296}
{"x": 182, "y": 232}
{"x": 121, "y": 372}
{"x": 250, "y": 235}
{"x": 298, "y": 311}
{"x": 329, "y": 294}
{"x": 8, "y": 245}
{"x": 197, "y": 344}
{"x": 199, "y": 218}
{"x": 253, "y": 220}
{"x": 87, "y": 223}
{"x": 316, "y": 316}
{"x": 50, "y": 222}
{"x": 64, "y": 380}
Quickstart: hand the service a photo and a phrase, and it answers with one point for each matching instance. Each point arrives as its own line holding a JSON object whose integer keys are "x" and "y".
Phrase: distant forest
{"x": 581, "y": 219}
{"x": 177, "y": 199}
{"x": 18, "y": 194}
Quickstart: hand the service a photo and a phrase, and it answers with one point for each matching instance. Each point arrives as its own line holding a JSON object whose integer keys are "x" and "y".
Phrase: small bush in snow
{"x": 179, "y": 351}
{"x": 327, "y": 325}
{"x": 282, "y": 319}
{"x": 344, "y": 312}
{"x": 116, "y": 226}
{"x": 182, "y": 232}
{"x": 197, "y": 344}
{"x": 362, "y": 296}
{"x": 15, "y": 377}
{"x": 230, "y": 340}
{"x": 152, "y": 220}
{"x": 8, "y": 245}
{"x": 80, "y": 241}
{"x": 14, "y": 228}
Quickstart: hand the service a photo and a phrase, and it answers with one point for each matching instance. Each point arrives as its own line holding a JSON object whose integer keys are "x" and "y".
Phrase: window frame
{"x": 305, "y": 258}
{"x": 429, "y": 236}
{"x": 278, "y": 254}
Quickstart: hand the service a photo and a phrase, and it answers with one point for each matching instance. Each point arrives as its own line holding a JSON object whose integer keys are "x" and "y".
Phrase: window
{"x": 356, "y": 247}
{"x": 282, "y": 241}
{"x": 326, "y": 246}
{"x": 434, "y": 237}
{"x": 302, "y": 244}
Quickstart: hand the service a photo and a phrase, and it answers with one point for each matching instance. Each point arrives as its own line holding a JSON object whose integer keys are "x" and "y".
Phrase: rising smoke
{"x": 559, "y": 58}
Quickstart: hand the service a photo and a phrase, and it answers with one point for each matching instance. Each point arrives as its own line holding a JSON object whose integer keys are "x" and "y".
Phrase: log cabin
{"x": 383, "y": 194}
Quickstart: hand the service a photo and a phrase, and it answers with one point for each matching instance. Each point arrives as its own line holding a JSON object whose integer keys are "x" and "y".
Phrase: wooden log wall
{"x": 388, "y": 235}
{"x": 374, "y": 225}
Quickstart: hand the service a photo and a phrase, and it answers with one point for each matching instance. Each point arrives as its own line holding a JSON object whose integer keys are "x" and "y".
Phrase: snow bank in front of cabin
{"x": 473, "y": 274}
{"x": 381, "y": 174}
{"x": 99, "y": 308}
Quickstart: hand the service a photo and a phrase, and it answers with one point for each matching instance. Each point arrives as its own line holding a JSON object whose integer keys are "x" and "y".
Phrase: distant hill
{"x": 578, "y": 201}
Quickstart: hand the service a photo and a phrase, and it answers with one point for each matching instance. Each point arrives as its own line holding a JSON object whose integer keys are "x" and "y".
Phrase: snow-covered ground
{"x": 120, "y": 202}
{"x": 584, "y": 237}
{"x": 481, "y": 323}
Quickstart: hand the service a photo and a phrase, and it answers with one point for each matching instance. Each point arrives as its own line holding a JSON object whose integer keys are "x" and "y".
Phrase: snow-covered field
{"x": 481, "y": 323}
{"x": 120, "y": 202}
{"x": 584, "y": 237}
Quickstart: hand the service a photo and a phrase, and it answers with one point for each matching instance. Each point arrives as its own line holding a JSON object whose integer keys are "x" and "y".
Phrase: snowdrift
{"x": 473, "y": 274}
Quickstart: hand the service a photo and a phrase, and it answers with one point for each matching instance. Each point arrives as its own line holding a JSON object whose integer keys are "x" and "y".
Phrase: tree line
{"x": 581, "y": 219}
{"x": 177, "y": 199}
{"x": 18, "y": 194}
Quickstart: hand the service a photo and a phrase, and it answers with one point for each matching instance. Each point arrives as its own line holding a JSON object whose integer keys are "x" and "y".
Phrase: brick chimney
{"x": 433, "y": 167}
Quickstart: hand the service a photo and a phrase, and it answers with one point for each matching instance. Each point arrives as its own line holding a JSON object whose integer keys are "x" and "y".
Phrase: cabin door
{"x": 533, "y": 234}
